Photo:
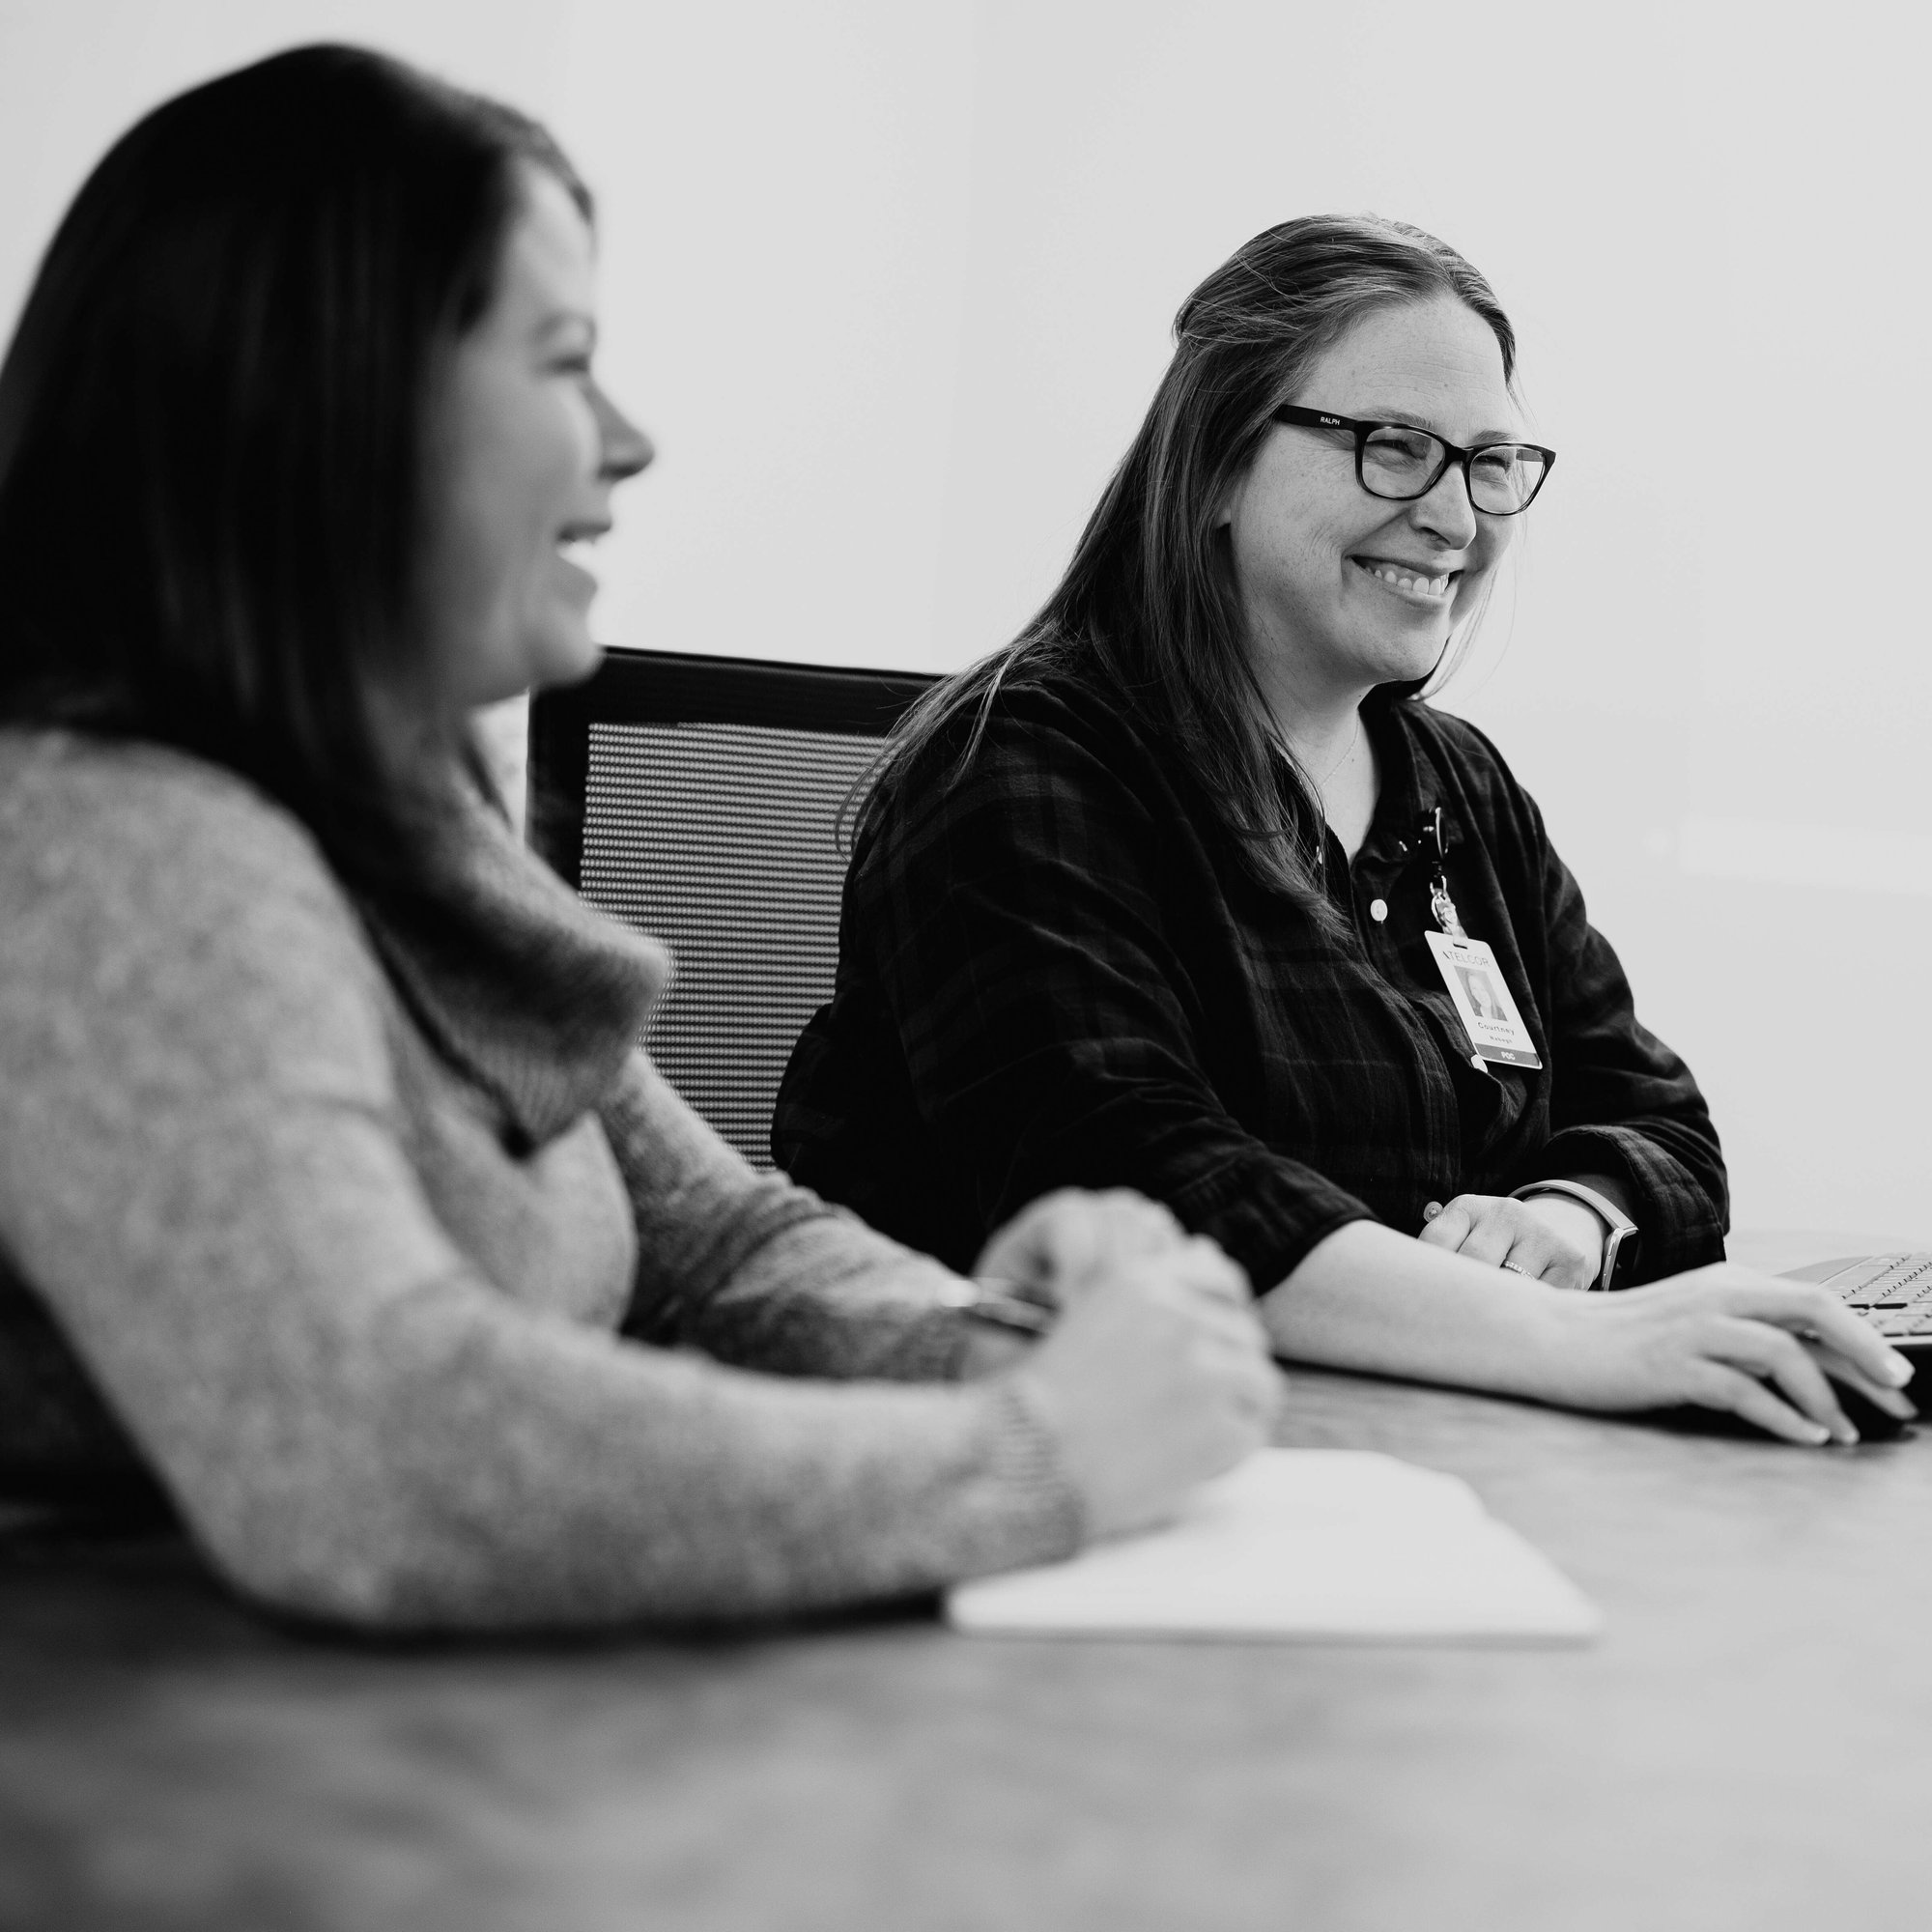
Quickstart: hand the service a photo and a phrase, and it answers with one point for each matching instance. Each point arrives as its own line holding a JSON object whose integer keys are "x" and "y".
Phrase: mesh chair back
{"x": 701, "y": 800}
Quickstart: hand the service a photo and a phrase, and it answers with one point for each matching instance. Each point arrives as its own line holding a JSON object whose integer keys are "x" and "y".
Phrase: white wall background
{"x": 890, "y": 281}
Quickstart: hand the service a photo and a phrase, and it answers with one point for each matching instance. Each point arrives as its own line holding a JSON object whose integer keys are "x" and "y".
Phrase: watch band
{"x": 1620, "y": 1232}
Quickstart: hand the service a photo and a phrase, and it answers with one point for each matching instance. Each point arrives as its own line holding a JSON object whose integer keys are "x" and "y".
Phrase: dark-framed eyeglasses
{"x": 1402, "y": 463}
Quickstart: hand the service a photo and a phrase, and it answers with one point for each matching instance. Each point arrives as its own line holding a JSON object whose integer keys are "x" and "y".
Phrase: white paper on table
{"x": 1300, "y": 1543}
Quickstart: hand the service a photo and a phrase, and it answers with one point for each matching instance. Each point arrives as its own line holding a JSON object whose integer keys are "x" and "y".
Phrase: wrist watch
{"x": 1620, "y": 1232}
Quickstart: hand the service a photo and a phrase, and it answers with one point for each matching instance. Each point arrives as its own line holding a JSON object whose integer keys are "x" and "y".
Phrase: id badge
{"x": 1482, "y": 996}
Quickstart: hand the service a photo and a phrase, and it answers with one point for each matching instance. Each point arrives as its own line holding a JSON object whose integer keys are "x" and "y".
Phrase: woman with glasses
{"x": 337, "y": 1203}
{"x": 1189, "y": 890}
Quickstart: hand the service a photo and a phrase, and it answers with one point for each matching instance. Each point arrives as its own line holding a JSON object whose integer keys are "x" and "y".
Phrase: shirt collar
{"x": 1410, "y": 786}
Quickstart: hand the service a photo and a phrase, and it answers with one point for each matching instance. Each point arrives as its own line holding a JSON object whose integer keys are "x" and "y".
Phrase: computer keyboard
{"x": 1893, "y": 1293}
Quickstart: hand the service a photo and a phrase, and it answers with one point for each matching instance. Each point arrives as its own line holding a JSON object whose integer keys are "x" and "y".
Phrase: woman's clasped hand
{"x": 1152, "y": 1322}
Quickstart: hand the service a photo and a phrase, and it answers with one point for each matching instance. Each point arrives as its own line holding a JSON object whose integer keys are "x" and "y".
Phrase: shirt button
{"x": 1379, "y": 910}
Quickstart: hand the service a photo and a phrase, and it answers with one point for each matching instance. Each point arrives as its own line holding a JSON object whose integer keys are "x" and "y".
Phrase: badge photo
{"x": 1489, "y": 1014}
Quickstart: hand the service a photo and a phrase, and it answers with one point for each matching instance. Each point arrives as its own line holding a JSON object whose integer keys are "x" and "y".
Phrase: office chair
{"x": 704, "y": 799}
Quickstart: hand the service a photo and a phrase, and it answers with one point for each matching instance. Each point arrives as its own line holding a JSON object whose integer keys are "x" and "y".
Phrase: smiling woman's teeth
{"x": 1416, "y": 587}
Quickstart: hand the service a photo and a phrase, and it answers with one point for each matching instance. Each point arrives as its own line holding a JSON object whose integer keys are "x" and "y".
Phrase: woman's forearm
{"x": 1720, "y": 1337}
{"x": 1367, "y": 1298}
{"x": 756, "y": 1273}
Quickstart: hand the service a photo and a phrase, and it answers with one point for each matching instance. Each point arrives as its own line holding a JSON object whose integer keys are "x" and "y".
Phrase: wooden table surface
{"x": 1749, "y": 1745}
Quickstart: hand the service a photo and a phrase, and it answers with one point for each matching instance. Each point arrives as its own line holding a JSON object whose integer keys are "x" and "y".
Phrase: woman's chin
{"x": 565, "y": 659}
{"x": 1410, "y": 660}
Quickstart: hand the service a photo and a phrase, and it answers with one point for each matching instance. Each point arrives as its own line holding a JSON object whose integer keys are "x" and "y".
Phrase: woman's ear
{"x": 1224, "y": 509}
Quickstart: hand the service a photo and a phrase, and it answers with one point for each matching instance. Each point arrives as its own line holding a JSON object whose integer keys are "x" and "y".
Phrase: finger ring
{"x": 1523, "y": 1272}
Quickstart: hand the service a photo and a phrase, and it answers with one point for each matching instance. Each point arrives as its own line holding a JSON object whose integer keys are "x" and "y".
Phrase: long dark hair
{"x": 1148, "y": 606}
{"x": 211, "y": 425}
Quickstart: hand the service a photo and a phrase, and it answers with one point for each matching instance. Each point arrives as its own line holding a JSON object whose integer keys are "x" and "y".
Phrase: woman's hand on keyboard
{"x": 1726, "y": 1337}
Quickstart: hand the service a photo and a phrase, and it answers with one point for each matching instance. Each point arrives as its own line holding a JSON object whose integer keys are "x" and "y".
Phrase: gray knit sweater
{"x": 378, "y": 1243}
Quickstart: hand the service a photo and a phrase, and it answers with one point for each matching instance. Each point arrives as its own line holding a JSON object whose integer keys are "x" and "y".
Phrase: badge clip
{"x": 1440, "y": 901}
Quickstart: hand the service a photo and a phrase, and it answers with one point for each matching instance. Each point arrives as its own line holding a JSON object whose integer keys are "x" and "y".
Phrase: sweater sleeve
{"x": 757, "y": 1271}
{"x": 204, "y": 1174}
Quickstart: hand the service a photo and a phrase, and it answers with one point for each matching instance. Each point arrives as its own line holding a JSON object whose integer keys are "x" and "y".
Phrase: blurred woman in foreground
{"x": 338, "y": 1196}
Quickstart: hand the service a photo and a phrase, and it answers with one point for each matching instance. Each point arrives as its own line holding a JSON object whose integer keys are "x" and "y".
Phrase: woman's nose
{"x": 1447, "y": 510}
{"x": 623, "y": 448}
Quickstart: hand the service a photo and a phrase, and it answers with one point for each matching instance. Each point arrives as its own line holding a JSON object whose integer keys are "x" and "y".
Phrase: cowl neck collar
{"x": 531, "y": 994}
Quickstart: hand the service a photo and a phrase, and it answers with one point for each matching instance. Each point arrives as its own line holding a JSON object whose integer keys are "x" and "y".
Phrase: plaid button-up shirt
{"x": 1054, "y": 971}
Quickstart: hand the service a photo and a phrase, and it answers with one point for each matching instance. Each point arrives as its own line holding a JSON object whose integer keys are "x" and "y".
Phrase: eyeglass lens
{"x": 1405, "y": 462}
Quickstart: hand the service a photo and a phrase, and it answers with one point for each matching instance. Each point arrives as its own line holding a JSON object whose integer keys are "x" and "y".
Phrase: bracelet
{"x": 1620, "y": 1232}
